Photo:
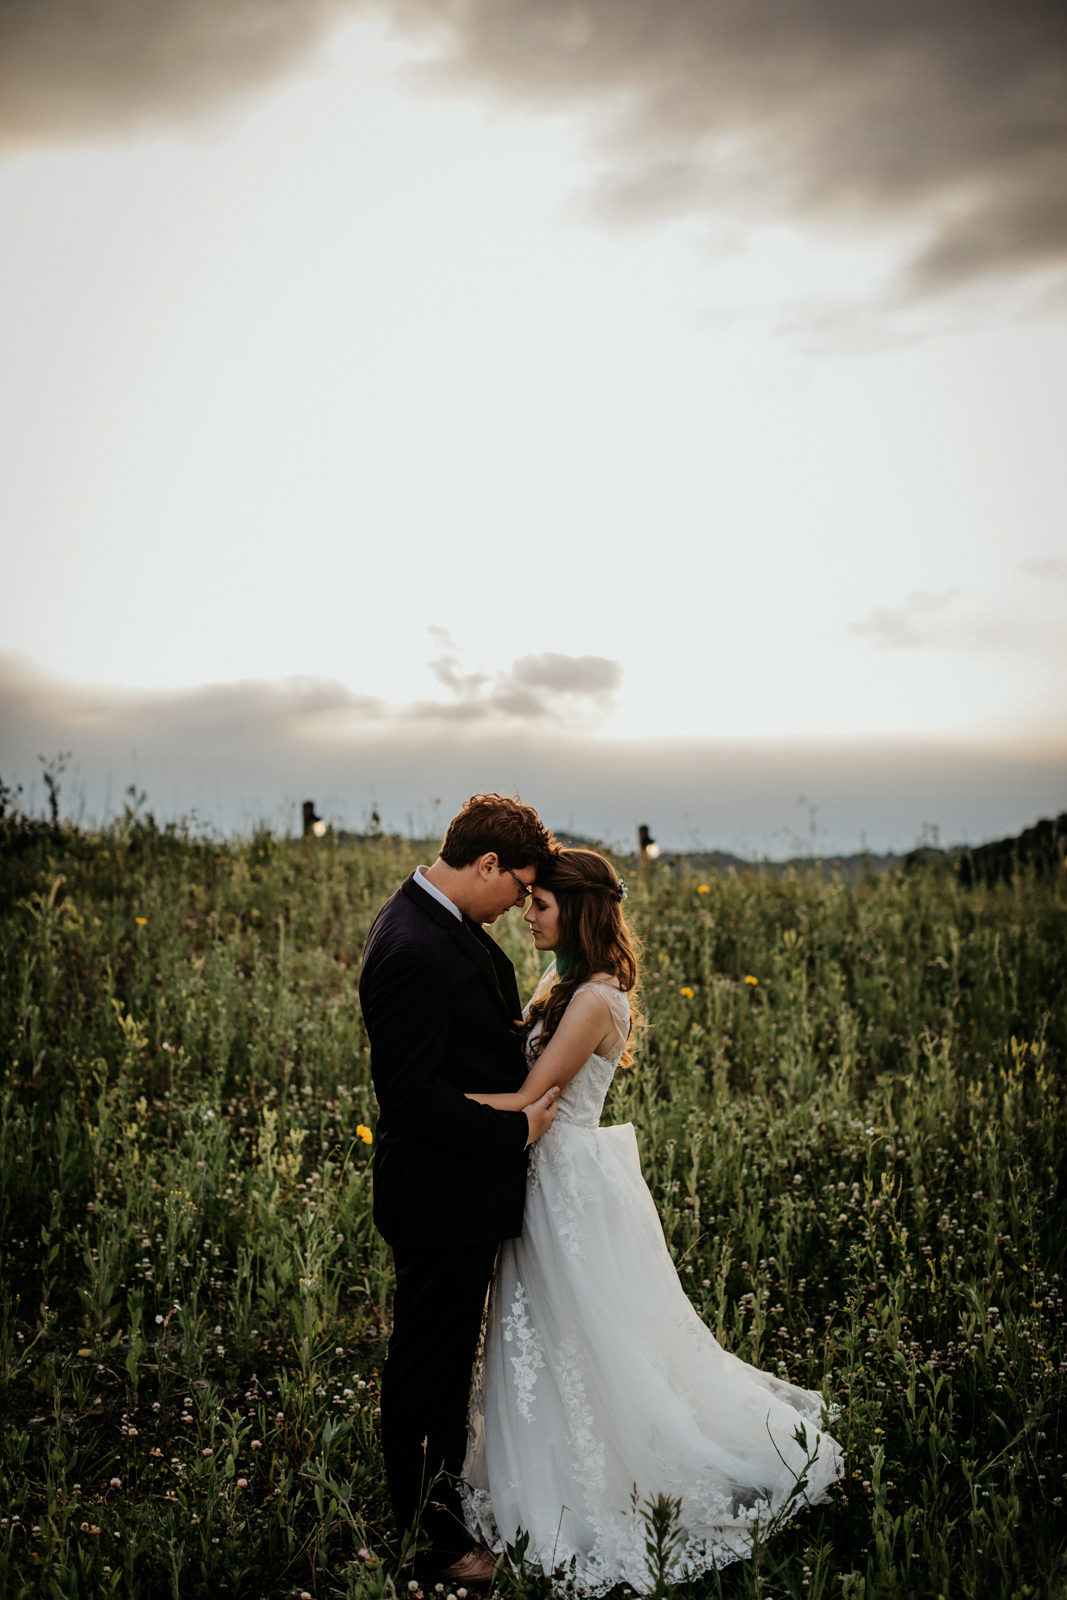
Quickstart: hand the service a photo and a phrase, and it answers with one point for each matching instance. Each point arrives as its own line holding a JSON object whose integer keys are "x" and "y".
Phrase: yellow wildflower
{"x": 142, "y": 922}
{"x": 703, "y": 888}
{"x": 752, "y": 981}
{"x": 688, "y": 993}
{"x": 364, "y": 1134}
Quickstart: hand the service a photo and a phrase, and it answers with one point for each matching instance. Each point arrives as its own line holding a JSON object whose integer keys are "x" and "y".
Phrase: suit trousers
{"x": 437, "y": 1317}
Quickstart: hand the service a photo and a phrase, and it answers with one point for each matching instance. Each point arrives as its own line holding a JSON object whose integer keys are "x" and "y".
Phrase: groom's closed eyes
{"x": 526, "y": 889}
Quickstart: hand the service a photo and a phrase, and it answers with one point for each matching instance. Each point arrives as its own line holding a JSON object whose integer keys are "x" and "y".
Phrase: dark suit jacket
{"x": 441, "y": 1005}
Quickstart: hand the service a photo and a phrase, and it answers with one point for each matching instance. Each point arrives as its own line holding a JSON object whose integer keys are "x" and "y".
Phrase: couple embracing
{"x": 493, "y": 1179}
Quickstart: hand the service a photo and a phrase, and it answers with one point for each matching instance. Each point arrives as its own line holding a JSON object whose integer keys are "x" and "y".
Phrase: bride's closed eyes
{"x": 542, "y": 918}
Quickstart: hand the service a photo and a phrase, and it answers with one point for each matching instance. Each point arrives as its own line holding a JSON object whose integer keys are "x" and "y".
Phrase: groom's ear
{"x": 488, "y": 864}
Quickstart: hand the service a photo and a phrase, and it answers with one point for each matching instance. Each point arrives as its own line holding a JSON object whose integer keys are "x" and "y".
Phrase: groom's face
{"x": 502, "y": 888}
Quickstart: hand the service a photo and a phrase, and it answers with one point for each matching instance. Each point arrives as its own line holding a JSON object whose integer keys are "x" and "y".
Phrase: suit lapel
{"x": 426, "y": 902}
{"x": 487, "y": 956}
{"x": 501, "y": 970}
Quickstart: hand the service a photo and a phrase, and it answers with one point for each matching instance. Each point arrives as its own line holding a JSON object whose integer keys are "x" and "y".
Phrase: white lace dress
{"x": 597, "y": 1375}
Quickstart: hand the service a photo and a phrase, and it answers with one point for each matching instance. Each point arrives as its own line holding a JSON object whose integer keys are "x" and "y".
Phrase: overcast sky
{"x": 440, "y": 396}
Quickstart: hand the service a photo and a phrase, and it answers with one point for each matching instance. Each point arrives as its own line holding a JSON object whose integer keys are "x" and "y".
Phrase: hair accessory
{"x": 564, "y": 967}
{"x": 621, "y": 890}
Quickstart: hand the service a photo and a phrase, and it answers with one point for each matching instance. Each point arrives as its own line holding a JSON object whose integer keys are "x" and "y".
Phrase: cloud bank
{"x": 946, "y": 120}
{"x": 237, "y": 753}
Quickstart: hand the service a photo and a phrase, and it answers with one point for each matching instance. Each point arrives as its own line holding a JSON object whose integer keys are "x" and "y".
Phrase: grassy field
{"x": 849, "y": 1103}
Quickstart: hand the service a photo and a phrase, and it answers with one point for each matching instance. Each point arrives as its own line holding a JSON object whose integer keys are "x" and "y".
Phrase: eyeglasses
{"x": 527, "y": 889}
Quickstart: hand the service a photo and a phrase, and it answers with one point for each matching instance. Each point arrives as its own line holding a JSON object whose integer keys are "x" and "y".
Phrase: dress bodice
{"x": 582, "y": 1101}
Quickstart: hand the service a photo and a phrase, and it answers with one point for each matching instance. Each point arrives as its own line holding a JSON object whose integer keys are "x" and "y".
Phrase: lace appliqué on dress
{"x": 530, "y": 1359}
{"x": 588, "y": 1449}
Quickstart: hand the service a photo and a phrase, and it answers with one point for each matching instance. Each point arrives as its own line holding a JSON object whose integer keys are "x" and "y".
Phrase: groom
{"x": 442, "y": 1011}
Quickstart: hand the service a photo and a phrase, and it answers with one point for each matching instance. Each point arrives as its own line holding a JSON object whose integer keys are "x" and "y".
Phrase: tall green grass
{"x": 849, "y": 1102}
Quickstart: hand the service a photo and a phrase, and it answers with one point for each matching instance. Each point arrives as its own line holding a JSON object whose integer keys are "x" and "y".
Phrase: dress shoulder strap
{"x": 616, "y": 1001}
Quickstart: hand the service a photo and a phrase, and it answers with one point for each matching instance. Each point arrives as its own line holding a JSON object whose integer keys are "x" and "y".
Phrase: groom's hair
{"x": 495, "y": 822}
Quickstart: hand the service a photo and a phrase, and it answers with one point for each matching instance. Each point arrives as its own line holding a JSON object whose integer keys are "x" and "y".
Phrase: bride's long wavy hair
{"x": 593, "y": 937}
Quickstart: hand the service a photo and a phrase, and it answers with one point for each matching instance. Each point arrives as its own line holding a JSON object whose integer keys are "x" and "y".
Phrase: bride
{"x": 597, "y": 1378}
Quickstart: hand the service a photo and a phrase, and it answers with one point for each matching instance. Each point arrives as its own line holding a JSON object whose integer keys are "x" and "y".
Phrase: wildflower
{"x": 703, "y": 888}
{"x": 116, "y": 1483}
{"x": 339, "y": 1350}
{"x": 159, "y": 1316}
{"x": 304, "y": 1595}
{"x": 257, "y": 1444}
{"x": 155, "y": 1451}
{"x": 413, "y": 1585}
{"x": 242, "y": 1483}
{"x": 207, "y": 1452}
{"x": 141, "y": 922}
{"x": 365, "y": 1555}
{"x": 752, "y": 981}
{"x": 364, "y": 1133}
{"x": 687, "y": 992}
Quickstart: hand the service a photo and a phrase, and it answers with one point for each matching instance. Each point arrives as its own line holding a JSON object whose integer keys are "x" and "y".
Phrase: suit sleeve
{"x": 406, "y": 1012}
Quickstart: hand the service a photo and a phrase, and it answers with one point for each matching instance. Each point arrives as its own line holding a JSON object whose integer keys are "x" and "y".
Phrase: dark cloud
{"x": 235, "y": 754}
{"x": 950, "y": 118}
{"x": 947, "y": 118}
{"x": 75, "y": 69}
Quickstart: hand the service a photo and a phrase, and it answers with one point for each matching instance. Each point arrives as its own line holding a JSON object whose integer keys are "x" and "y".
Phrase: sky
{"x": 654, "y": 407}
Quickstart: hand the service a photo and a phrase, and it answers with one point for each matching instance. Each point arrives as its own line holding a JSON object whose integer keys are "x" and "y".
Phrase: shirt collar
{"x": 432, "y": 889}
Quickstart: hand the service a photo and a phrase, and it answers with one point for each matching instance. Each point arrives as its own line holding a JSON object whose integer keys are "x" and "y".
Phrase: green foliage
{"x": 857, "y": 1158}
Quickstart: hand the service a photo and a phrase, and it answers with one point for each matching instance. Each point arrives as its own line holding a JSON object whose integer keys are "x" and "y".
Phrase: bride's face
{"x": 543, "y": 917}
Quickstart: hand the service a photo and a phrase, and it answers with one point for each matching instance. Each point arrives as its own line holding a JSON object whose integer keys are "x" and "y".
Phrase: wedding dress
{"x": 596, "y": 1375}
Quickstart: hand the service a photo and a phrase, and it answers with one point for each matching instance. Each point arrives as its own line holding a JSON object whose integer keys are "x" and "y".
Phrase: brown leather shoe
{"x": 473, "y": 1570}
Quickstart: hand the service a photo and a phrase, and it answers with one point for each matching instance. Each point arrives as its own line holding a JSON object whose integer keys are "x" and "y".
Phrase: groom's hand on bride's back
{"x": 542, "y": 1113}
